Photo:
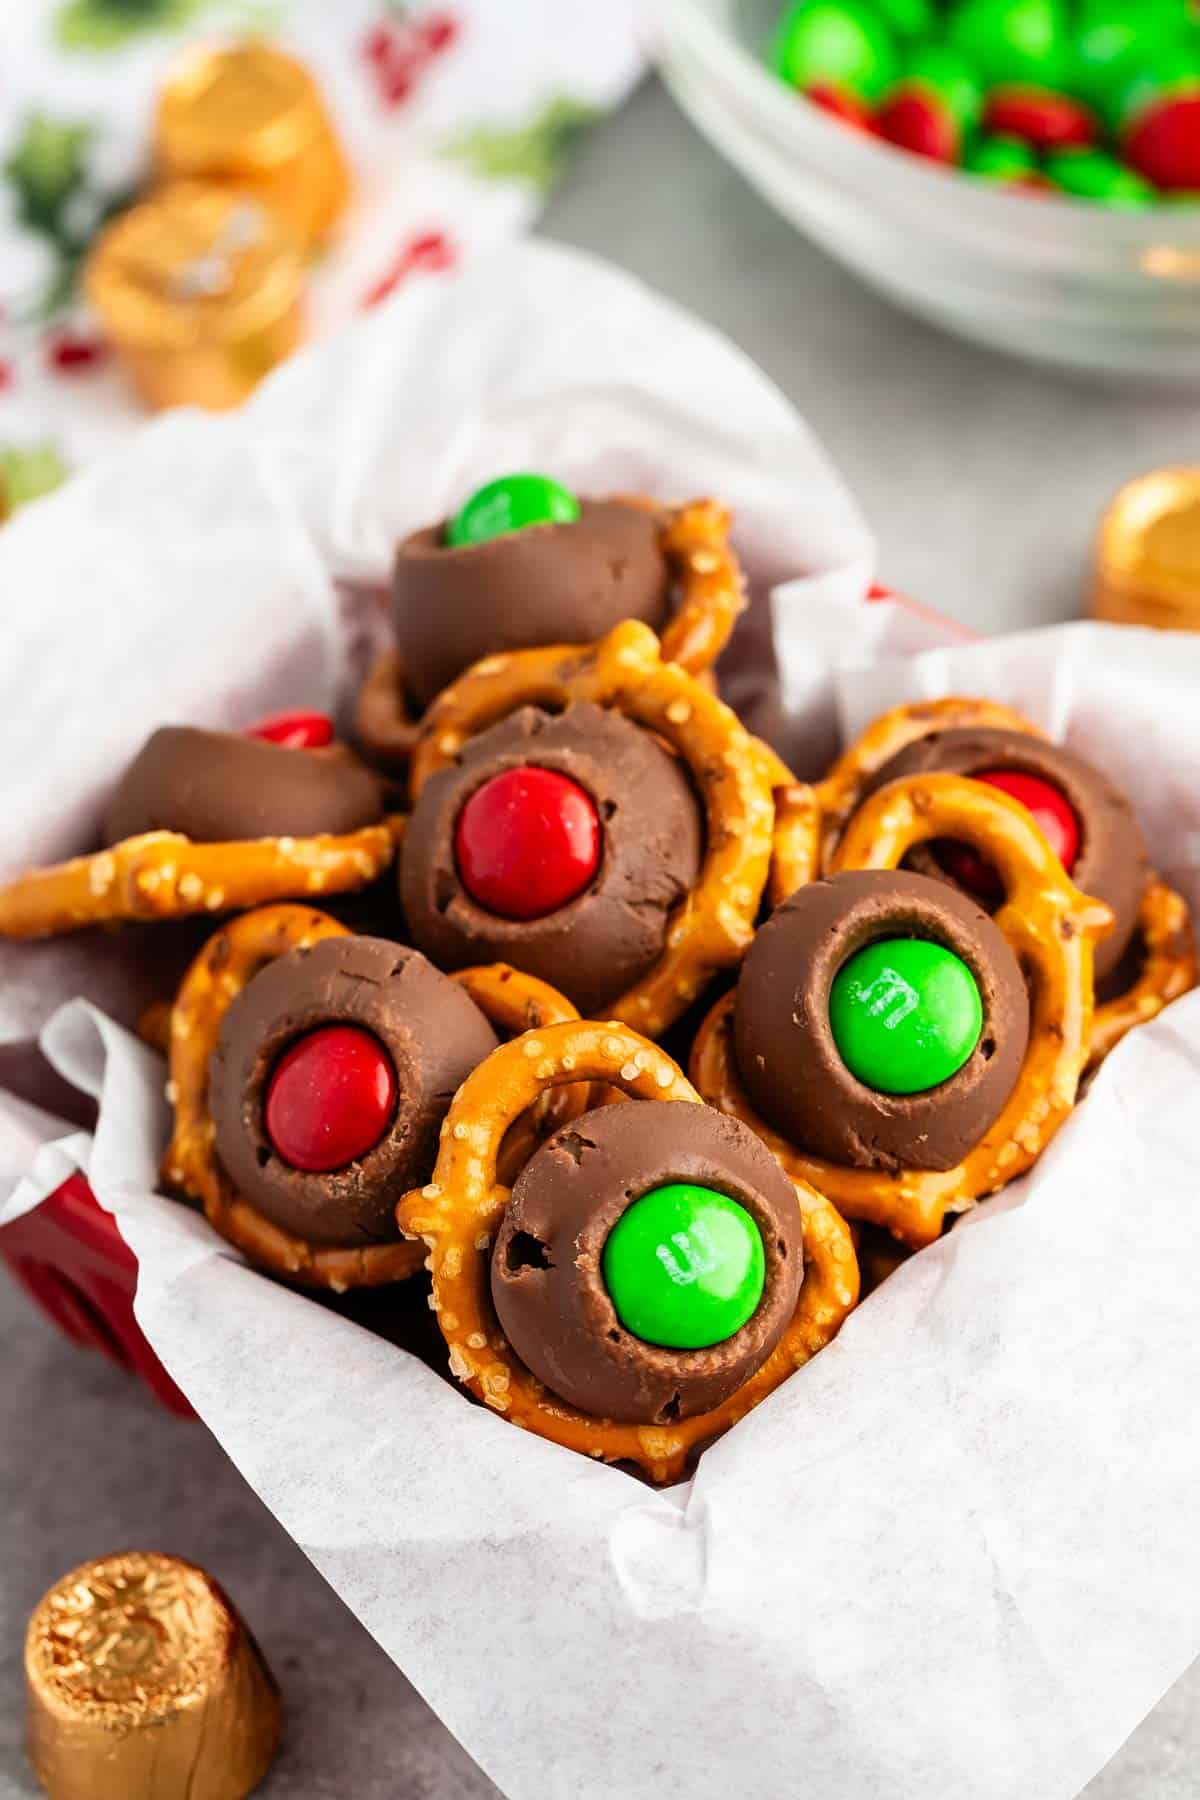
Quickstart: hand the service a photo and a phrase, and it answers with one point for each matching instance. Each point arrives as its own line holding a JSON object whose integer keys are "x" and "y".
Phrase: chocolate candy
{"x": 787, "y": 1043}
{"x": 835, "y": 43}
{"x": 905, "y": 1015}
{"x": 282, "y": 1090}
{"x": 553, "y": 583}
{"x": 142, "y": 1682}
{"x": 199, "y": 290}
{"x": 527, "y": 843}
{"x": 1055, "y": 819}
{"x": 1012, "y": 40}
{"x": 599, "y": 1238}
{"x": 1160, "y": 115}
{"x": 684, "y": 1266}
{"x": 935, "y": 104}
{"x": 1008, "y": 161}
{"x": 218, "y": 786}
{"x": 1111, "y": 37}
{"x": 1112, "y": 863}
{"x": 295, "y": 730}
{"x": 329, "y": 1099}
{"x": 1040, "y": 116}
{"x": 604, "y": 939}
{"x": 1095, "y": 175}
{"x": 511, "y": 503}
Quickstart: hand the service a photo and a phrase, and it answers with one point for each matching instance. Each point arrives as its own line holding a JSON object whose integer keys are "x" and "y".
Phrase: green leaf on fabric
{"x": 107, "y": 24}
{"x": 29, "y": 472}
{"x": 535, "y": 153}
{"x": 47, "y": 167}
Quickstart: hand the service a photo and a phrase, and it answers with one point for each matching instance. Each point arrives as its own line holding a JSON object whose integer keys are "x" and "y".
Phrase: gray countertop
{"x": 982, "y": 480}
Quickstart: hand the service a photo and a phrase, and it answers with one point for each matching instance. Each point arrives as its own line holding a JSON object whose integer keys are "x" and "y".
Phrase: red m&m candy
{"x": 934, "y": 106}
{"x": 294, "y": 730}
{"x": 1042, "y": 117}
{"x": 527, "y": 842}
{"x": 329, "y": 1099}
{"x": 1052, "y": 813}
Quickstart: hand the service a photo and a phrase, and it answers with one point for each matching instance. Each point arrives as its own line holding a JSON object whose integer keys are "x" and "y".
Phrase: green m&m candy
{"x": 1095, "y": 175}
{"x": 909, "y": 18}
{"x": 1112, "y": 37}
{"x": 1003, "y": 159}
{"x": 684, "y": 1267}
{"x": 1012, "y": 40}
{"x": 840, "y": 44}
{"x": 905, "y": 1015}
{"x": 510, "y": 503}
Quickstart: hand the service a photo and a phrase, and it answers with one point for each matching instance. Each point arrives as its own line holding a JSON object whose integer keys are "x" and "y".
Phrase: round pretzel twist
{"x": 811, "y": 819}
{"x": 164, "y": 875}
{"x": 1168, "y": 970}
{"x": 1051, "y": 928}
{"x": 457, "y": 1215}
{"x": 711, "y": 596}
{"x": 228, "y": 962}
{"x": 734, "y": 773}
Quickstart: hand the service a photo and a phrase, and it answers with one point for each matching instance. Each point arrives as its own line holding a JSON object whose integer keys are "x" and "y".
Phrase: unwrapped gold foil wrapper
{"x": 1147, "y": 555}
{"x": 199, "y": 288}
{"x": 253, "y": 117}
{"x": 143, "y": 1684}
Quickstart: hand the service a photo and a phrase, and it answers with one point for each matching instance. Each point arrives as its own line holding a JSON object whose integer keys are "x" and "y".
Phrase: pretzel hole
{"x": 524, "y": 1251}
{"x": 987, "y": 1048}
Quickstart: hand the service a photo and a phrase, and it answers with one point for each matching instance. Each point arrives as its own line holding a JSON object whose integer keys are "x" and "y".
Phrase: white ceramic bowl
{"x": 1058, "y": 281}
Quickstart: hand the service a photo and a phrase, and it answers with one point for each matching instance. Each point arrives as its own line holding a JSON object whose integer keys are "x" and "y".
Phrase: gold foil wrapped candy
{"x": 252, "y": 117}
{"x": 1147, "y": 556}
{"x": 199, "y": 289}
{"x": 143, "y": 1684}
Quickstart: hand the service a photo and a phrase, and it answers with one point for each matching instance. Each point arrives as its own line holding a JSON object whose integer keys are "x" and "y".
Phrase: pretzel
{"x": 163, "y": 875}
{"x": 811, "y": 819}
{"x": 712, "y": 595}
{"x": 1169, "y": 970}
{"x": 735, "y": 774}
{"x": 225, "y": 966}
{"x": 458, "y": 1212}
{"x": 1051, "y": 928}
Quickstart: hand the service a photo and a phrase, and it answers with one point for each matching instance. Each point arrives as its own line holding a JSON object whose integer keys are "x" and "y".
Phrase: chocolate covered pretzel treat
{"x": 559, "y": 843}
{"x": 212, "y": 821}
{"x": 649, "y": 1261}
{"x": 331, "y": 1076}
{"x": 881, "y": 1021}
{"x": 1090, "y": 825}
{"x": 522, "y": 563}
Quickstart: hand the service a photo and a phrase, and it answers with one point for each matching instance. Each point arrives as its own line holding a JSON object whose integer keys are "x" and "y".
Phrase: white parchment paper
{"x": 956, "y": 1555}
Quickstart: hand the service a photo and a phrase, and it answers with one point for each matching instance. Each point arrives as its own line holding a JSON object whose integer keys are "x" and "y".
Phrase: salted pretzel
{"x": 1051, "y": 928}
{"x": 734, "y": 773}
{"x": 711, "y": 596}
{"x": 164, "y": 875}
{"x": 225, "y": 966}
{"x": 1168, "y": 971}
{"x": 810, "y": 819}
{"x": 458, "y": 1212}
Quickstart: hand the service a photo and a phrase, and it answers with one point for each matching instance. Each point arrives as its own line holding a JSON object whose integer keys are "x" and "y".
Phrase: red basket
{"x": 73, "y": 1262}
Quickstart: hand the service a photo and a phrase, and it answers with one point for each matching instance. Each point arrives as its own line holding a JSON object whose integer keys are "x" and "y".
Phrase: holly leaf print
{"x": 47, "y": 167}
{"x": 535, "y": 153}
{"x": 29, "y": 472}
